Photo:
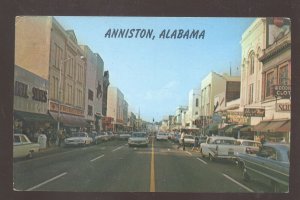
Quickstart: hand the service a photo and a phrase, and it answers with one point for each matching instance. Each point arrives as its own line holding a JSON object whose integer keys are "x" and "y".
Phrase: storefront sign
{"x": 21, "y": 89}
{"x": 254, "y": 112}
{"x": 283, "y": 91}
{"x": 235, "y": 117}
{"x": 283, "y": 107}
{"x": 65, "y": 109}
{"x": 39, "y": 95}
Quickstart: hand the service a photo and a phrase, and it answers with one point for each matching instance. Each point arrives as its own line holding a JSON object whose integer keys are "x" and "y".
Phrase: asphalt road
{"x": 114, "y": 167}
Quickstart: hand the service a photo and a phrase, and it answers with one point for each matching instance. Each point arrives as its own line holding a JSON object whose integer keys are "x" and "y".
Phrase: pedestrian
{"x": 196, "y": 144}
{"x": 182, "y": 144}
{"x": 262, "y": 139}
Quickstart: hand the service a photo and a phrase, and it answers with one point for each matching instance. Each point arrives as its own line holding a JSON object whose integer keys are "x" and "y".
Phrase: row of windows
{"x": 275, "y": 76}
{"x": 68, "y": 65}
{"x": 69, "y": 92}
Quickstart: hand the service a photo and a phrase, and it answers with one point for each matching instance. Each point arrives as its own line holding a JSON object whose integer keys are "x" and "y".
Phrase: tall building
{"x": 212, "y": 85}
{"x": 253, "y": 44}
{"x": 194, "y": 107}
{"x": 266, "y": 77}
{"x": 105, "y": 89}
{"x": 115, "y": 100}
{"x": 94, "y": 88}
{"x": 54, "y": 54}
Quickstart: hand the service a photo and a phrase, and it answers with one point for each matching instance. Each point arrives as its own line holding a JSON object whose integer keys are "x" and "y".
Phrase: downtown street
{"x": 114, "y": 167}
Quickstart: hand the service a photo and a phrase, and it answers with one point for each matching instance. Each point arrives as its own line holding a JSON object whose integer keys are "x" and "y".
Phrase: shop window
{"x": 283, "y": 78}
{"x": 270, "y": 79}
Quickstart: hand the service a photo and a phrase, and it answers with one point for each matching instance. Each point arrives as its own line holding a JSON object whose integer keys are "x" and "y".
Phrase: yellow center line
{"x": 152, "y": 173}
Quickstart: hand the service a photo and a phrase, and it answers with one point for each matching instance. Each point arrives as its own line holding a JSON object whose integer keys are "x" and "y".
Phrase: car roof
{"x": 245, "y": 140}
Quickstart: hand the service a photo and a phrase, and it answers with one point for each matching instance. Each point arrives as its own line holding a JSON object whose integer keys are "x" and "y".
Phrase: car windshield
{"x": 78, "y": 134}
{"x": 138, "y": 135}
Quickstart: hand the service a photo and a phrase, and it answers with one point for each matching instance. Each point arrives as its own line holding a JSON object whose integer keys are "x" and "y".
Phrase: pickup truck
{"x": 217, "y": 147}
{"x": 270, "y": 165}
{"x": 23, "y": 147}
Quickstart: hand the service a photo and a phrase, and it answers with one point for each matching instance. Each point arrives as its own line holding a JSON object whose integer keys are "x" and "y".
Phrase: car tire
{"x": 29, "y": 156}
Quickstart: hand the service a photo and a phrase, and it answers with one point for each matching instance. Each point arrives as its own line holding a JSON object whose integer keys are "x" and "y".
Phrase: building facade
{"x": 115, "y": 100}
{"x": 54, "y": 54}
{"x": 30, "y": 103}
{"x": 94, "y": 88}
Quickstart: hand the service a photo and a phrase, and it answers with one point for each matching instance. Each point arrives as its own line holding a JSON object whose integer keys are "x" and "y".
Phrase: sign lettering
{"x": 254, "y": 112}
{"x": 283, "y": 91}
{"x": 39, "y": 95}
{"x": 283, "y": 107}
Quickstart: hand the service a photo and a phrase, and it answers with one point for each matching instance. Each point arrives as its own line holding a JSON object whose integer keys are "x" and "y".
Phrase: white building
{"x": 194, "y": 107}
{"x": 212, "y": 85}
{"x": 253, "y": 42}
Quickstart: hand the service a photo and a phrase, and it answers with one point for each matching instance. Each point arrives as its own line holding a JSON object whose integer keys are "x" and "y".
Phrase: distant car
{"x": 138, "y": 139}
{"x": 271, "y": 164}
{"x": 189, "y": 140}
{"x": 23, "y": 147}
{"x": 162, "y": 136}
{"x": 248, "y": 146}
{"x": 78, "y": 139}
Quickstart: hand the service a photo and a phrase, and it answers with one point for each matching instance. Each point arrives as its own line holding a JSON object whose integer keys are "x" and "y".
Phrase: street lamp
{"x": 59, "y": 88}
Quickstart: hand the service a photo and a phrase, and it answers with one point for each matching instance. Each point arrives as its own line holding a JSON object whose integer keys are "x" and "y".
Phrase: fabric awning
{"x": 70, "y": 120}
{"x": 272, "y": 126}
{"x": 260, "y": 125}
{"x": 279, "y": 125}
{"x": 233, "y": 127}
{"x": 285, "y": 127}
{"x": 246, "y": 128}
{"x": 33, "y": 117}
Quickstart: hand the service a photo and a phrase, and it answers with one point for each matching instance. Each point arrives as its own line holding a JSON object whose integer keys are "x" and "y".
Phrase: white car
{"x": 23, "y": 147}
{"x": 219, "y": 147}
{"x": 189, "y": 140}
{"x": 138, "y": 139}
{"x": 162, "y": 136}
{"x": 78, "y": 139}
{"x": 248, "y": 146}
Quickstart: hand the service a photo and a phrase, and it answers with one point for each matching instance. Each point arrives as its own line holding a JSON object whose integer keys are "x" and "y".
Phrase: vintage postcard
{"x": 152, "y": 104}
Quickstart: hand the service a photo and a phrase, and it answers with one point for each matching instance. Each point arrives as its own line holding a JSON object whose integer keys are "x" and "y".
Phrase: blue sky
{"x": 156, "y": 76}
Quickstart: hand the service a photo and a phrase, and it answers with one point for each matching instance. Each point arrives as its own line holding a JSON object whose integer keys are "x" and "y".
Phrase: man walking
{"x": 182, "y": 141}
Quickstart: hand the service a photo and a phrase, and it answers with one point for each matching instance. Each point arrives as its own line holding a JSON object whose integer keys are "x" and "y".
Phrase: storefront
{"x": 274, "y": 130}
{"x": 30, "y": 104}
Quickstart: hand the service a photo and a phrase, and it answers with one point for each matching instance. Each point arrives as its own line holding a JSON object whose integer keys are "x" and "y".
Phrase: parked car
{"x": 202, "y": 139}
{"x": 248, "y": 146}
{"x": 138, "y": 139}
{"x": 23, "y": 147}
{"x": 271, "y": 164}
{"x": 217, "y": 147}
{"x": 78, "y": 139}
{"x": 189, "y": 140}
{"x": 162, "y": 136}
